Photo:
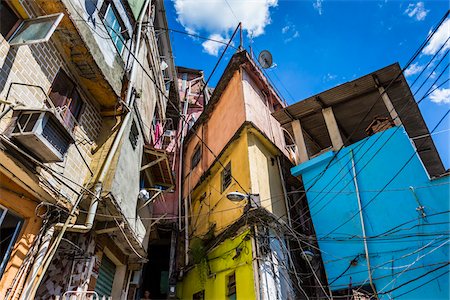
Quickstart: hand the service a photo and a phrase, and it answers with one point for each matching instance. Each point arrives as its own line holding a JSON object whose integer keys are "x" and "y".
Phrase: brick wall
{"x": 38, "y": 65}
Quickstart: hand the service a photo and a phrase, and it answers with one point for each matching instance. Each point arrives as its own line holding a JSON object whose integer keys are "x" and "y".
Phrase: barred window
{"x": 231, "y": 287}
{"x": 226, "y": 176}
{"x": 196, "y": 156}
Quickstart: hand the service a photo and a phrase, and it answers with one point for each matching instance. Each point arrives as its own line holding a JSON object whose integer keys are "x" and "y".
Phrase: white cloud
{"x": 221, "y": 17}
{"x": 417, "y": 11}
{"x": 329, "y": 77}
{"x": 438, "y": 39}
{"x": 211, "y": 47}
{"x": 413, "y": 69}
{"x": 440, "y": 96}
{"x": 289, "y": 32}
{"x": 318, "y": 6}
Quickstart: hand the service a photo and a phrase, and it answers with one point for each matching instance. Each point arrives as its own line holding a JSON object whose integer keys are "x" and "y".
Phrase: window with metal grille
{"x": 64, "y": 95}
{"x": 134, "y": 135}
{"x": 196, "y": 156}
{"x": 231, "y": 287}
{"x": 226, "y": 176}
{"x": 199, "y": 295}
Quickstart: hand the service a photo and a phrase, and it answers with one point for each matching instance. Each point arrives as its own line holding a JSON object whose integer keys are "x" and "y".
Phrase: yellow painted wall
{"x": 215, "y": 208}
{"x": 222, "y": 265}
{"x": 265, "y": 174}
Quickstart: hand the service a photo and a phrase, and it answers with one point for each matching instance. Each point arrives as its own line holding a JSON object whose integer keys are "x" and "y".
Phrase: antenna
{"x": 265, "y": 59}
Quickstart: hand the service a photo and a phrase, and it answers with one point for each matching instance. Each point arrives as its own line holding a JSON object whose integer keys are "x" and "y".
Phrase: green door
{"x": 105, "y": 278}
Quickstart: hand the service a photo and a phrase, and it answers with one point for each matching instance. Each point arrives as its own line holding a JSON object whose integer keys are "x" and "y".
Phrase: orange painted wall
{"x": 18, "y": 201}
{"x": 226, "y": 118}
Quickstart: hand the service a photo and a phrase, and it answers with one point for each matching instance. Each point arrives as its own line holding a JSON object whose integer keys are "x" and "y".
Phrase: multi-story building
{"x": 236, "y": 150}
{"x": 376, "y": 188}
{"x": 80, "y": 84}
{"x": 161, "y": 271}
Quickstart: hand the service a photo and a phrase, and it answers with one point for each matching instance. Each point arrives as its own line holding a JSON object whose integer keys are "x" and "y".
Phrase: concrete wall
{"x": 85, "y": 15}
{"x": 222, "y": 264}
{"x": 123, "y": 179}
{"x": 402, "y": 245}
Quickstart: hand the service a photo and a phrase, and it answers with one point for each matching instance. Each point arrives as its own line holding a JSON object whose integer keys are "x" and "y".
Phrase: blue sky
{"x": 319, "y": 44}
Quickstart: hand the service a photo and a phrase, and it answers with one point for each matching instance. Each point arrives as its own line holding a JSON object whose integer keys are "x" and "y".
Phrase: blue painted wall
{"x": 402, "y": 245}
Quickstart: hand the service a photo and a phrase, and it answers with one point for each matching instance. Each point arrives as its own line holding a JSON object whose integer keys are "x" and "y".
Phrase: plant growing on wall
{"x": 199, "y": 258}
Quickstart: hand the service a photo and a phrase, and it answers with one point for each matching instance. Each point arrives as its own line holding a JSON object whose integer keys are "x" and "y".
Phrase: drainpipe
{"x": 180, "y": 166}
{"x": 363, "y": 227}
{"x": 63, "y": 227}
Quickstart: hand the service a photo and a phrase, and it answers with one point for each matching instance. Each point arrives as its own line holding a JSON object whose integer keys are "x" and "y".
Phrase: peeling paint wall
{"x": 223, "y": 123}
{"x": 258, "y": 110}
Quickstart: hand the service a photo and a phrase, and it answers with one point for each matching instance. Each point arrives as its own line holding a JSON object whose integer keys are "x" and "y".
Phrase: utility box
{"x": 42, "y": 133}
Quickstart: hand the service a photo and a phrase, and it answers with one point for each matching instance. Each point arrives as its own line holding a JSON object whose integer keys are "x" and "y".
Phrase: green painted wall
{"x": 136, "y": 6}
{"x": 222, "y": 265}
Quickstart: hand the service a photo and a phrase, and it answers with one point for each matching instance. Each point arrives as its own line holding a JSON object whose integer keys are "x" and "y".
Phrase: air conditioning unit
{"x": 42, "y": 134}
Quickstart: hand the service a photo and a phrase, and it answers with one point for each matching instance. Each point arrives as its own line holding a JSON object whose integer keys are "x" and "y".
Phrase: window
{"x": 8, "y": 18}
{"x": 134, "y": 135}
{"x": 114, "y": 25}
{"x": 64, "y": 95}
{"x": 28, "y": 31}
{"x": 226, "y": 176}
{"x": 10, "y": 225}
{"x": 231, "y": 287}
{"x": 196, "y": 156}
{"x": 199, "y": 295}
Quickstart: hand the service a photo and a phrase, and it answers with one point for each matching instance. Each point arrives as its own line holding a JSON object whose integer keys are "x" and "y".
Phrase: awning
{"x": 156, "y": 162}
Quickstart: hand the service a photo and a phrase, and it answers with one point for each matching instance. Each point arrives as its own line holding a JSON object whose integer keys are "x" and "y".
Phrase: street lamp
{"x": 238, "y": 197}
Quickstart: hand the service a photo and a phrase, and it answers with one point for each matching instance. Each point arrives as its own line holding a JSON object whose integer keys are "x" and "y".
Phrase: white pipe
{"x": 363, "y": 227}
{"x": 31, "y": 290}
{"x": 42, "y": 251}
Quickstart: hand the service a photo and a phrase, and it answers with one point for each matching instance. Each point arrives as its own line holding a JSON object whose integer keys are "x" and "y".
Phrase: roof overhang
{"x": 351, "y": 103}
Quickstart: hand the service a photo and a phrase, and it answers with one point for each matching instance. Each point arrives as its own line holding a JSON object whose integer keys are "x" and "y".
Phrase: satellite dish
{"x": 265, "y": 59}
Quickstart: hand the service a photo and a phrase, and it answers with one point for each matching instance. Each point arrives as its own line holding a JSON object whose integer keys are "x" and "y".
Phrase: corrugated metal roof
{"x": 351, "y": 102}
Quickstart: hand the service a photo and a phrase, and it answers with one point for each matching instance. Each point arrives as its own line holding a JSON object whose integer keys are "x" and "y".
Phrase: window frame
{"x": 4, "y": 261}
{"x": 69, "y": 98}
{"x": 58, "y": 17}
{"x": 226, "y": 168}
{"x": 200, "y": 295}
{"x": 231, "y": 285}
{"x": 196, "y": 156}
{"x": 106, "y": 7}
{"x": 18, "y": 22}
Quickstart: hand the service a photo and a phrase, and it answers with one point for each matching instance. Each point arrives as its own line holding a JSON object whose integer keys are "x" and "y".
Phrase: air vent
{"x": 42, "y": 134}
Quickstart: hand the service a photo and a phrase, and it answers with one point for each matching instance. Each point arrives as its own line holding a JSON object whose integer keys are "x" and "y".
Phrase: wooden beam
{"x": 299, "y": 142}
{"x": 152, "y": 163}
{"x": 333, "y": 129}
